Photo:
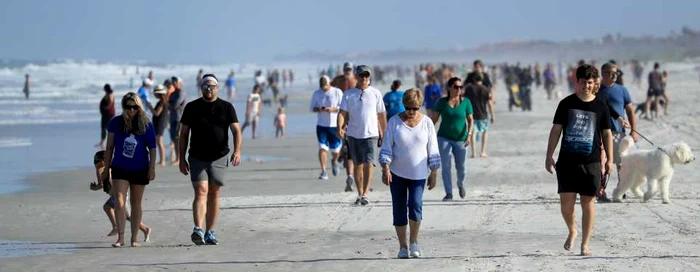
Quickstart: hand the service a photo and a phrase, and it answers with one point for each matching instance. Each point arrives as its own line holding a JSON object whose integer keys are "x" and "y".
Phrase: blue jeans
{"x": 406, "y": 199}
{"x": 459, "y": 151}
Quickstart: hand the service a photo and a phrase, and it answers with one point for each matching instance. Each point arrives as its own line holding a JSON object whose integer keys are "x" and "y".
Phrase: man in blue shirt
{"x": 432, "y": 94}
{"x": 393, "y": 101}
{"x": 143, "y": 90}
{"x": 620, "y": 102}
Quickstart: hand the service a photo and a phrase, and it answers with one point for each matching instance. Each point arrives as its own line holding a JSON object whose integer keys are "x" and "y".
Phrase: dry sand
{"x": 276, "y": 216}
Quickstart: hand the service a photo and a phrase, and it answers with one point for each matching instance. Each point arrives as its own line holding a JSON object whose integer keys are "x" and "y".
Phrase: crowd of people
{"x": 359, "y": 125}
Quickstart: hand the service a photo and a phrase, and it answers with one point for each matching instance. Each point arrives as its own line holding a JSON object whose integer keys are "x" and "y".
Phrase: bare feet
{"x": 161, "y": 164}
{"x": 118, "y": 244}
{"x": 135, "y": 244}
{"x": 472, "y": 156}
{"x": 176, "y": 163}
{"x": 113, "y": 232}
{"x": 585, "y": 251}
{"x": 147, "y": 234}
{"x": 484, "y": 155}
{"x": 570, "y": 241}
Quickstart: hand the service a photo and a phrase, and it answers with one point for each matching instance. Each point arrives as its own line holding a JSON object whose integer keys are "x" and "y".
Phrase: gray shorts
{"x": 617, "y": 138}
{"x": 214, "y": 172}
{"x": 362, "y": 150}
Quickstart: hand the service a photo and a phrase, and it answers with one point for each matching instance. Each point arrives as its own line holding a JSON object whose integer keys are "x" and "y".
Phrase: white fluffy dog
{"x": 654, "y": 167}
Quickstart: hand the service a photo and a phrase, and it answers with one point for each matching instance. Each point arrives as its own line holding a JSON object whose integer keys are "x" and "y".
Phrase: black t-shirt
{"x": 484, "y": 79}
{"x": 209, "y": 123}
{"x": 583, "y": 123}
{"x": 479, "y": 96}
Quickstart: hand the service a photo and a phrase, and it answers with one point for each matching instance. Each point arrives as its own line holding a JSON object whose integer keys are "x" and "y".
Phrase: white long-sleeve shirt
{"x": 410, "y": 151}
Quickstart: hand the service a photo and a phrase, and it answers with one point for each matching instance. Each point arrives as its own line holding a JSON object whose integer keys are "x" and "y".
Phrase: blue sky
{"x": 243, "y": 31}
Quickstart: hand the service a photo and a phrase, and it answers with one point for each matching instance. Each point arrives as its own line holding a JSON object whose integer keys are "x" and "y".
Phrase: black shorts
{"x": 138, "y": 177}
{"x": 583, "y": 179}
{"x": 654, "y": 92}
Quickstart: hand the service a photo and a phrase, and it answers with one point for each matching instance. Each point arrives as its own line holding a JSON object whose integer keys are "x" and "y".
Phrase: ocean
{"x": 58, "y": 126}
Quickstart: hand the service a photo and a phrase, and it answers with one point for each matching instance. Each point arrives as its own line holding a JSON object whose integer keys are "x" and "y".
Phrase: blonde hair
{"x": 138, "y": 124}
{"x": 412, "y": 97}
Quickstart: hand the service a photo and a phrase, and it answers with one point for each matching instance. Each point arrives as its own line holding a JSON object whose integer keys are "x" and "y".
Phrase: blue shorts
{"x": 481, "y": 125}
{"x": 111, "y": 202}
{"x": 328, "y": 138}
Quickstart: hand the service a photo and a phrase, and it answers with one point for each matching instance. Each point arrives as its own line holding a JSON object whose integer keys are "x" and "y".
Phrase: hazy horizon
{"x": 238, "y": 31}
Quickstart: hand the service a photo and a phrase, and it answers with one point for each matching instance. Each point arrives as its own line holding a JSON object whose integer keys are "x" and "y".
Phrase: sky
{"x": 221, "y": 31}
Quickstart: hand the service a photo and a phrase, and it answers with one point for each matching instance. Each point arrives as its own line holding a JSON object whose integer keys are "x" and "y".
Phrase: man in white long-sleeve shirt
{"x": 362, "y": 111}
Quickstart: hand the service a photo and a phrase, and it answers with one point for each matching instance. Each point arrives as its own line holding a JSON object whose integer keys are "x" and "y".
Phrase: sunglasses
{"x": 208, "y": 87}
{"x": 458, "y": 87}
{"x": 131, "y": 107}
{"x": 412, "y": 109}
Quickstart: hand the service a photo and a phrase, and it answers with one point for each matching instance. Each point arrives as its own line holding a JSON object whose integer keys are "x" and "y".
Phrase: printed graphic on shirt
{"x": 130, "y": 146}
{"x": 579, "y": 133}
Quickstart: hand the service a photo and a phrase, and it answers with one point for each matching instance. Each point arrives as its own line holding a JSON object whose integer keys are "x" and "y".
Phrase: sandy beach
{"x": 277, "y": 216}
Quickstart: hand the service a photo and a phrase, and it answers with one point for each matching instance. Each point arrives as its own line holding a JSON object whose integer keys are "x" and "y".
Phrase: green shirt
{"x": 454, "y": 120}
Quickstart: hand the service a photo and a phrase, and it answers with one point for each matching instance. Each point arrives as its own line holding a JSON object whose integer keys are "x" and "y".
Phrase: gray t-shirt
{"x": 177, "y": 105}
{"x": 655, "y": 80}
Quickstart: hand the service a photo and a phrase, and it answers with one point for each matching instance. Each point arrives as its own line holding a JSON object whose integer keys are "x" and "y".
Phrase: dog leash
{"x": 650, "y": 142}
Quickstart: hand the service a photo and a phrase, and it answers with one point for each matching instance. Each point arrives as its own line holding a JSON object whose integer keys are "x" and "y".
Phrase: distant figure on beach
{"x": 231, "y": 85}
{"x": 209, "y": 119}
{"x": 538, "y": 75}
{"x": 161, "y": 119}
{"x": 480, "y": 97}
{"x": 144, "y": 89}
{"x": 253, "y": 110}
{"x": 325, "y": 102}
{"x": 664, "y": 79}
{"x": 393, "y": 100}
{"x": 584, "y": 121}
{"x": 478, "y": 68}
{"x": 345, "y": 82}
{"x": 111, "y": 203}
{"x": 550, "y": 82}
{"x": 409, "y": 156}
{"x": 176, "y": 105}
{"x": 151, "y": 77}
{"x": 280, "y": 123}
{"x": 199, "y": 78}
{"x": 433, "y": 93}
{"x": 362, "y": 111}
{"x": 27, "y": 85}
{"x": 291, "y": 78}
{"x": 107, "y": 113}
{"x": 454, "y": 134}
{"x": 131, "y": 155}
{"x": 655, "y": 91}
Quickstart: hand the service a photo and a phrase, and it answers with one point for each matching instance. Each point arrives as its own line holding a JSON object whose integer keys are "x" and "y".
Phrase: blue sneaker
{"x": 210, "y": 239}
{"x": 197, "y": 236}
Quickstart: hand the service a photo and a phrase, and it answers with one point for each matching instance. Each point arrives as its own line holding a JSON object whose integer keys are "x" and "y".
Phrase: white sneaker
{"x": 403, "y": 253}
{"x": 415, "y": 251}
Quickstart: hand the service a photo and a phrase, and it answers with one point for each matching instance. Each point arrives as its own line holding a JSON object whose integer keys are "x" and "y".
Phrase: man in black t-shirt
{"x": 480, "y": 96}
{"x": 584, "y": 121}
{"x": 478, "y": 69}
{"x": 209, "y": 119}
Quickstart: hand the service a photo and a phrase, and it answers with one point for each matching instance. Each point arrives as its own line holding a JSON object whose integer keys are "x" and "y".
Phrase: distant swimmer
{"x": 27, "y": 84}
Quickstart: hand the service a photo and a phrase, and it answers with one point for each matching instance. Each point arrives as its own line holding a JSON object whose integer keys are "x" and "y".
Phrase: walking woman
{"x": 453, "y": 135}
{"x": 130, "y": 155}
{"x": 161, "y": 117}
{"x": 107, "y": 113}
{"x": 409, "y": 156}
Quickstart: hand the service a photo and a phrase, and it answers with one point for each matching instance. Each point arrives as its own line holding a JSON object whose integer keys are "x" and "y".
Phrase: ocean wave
{"x": 14, "y": 142}
{"x": 44, "y": 121}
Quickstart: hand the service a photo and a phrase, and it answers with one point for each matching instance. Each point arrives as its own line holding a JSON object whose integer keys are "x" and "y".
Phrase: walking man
{"x": 362, "y": 110}
{"x": 208, "y": 118}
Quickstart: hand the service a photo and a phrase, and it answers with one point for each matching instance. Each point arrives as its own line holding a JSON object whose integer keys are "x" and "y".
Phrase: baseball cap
{"x": 361, "y": 69}
{"x": 347, "y": 66}
{"x": 160, "y": 89}
{"x": 147, "y": 81}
